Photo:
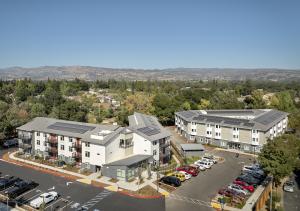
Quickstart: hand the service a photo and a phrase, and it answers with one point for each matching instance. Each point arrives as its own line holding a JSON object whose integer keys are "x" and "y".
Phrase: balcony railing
{"x": 126, "y": 145}
{"x": 77, "y": 146}
{"x": 24, "y": 146}
{"x": 51, "y": 150}
{"x": 25, "y": 137}
{"x": 52, "y": 139}
{"x": 76, "y": 155}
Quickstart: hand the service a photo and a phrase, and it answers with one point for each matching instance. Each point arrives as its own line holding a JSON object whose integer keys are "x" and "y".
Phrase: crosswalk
{"x": 190, "y": 200}
{"x": 96, "y": 199}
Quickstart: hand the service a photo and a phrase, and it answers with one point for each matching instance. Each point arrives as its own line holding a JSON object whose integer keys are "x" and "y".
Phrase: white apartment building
{"x": 246, "y": 130}
{"x": 93, "y": 146}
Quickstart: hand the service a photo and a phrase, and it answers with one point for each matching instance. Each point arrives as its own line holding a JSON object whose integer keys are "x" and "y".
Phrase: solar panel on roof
{"x": 199, "y": 118}
{"x": 68, "y": 127}
{"x": 149, "y": 131}
{"x": 269, "y": 117}
{"x": 249, "y": 124}
{"x": 187, "y": 114}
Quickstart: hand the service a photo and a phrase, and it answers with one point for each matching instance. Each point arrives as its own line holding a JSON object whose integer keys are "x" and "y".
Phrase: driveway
{"x": 292, "y": 200}
{"x": 197, "y": 193}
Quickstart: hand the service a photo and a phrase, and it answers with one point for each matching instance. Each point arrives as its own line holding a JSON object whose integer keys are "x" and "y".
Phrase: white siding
{"x": 97, "y": 154}
{"x": 141, "y": 145}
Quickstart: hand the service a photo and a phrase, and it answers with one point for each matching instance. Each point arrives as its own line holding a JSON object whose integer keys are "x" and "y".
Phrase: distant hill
{"x": 100, "y": 73}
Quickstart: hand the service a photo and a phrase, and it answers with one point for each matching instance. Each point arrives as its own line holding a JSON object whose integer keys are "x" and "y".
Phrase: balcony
{"x": 52, "y": 139}
{"x": 25, "y": 137}
{"x": 127, "y": 145}
{"x": 164, "y": 144}
{"x": 25, "y": 146}
{"x": 52, "y": 150}
{"x": 77, "y": 146}
{"x": 76, "y": 155}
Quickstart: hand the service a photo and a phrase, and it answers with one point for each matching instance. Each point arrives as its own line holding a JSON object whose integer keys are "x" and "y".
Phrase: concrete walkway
{"x": 113, "y": 186}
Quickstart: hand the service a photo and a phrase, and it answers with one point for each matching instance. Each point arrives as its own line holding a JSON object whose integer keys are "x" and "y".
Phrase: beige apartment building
{"x": 245, "y": 130}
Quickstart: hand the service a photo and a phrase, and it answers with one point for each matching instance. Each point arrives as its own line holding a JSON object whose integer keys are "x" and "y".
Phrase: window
{"x": 87, "y": 154}
{"x": 38, "y": 142}
{"x": 217, "y": 126}
{"x": 235, "y": 136}
{"x": 70, "y": 149}
{"x": 45, "y": 135}
{"x": 62, "y": 147}
{"x": 255, "y": 139}
{"x": 235, "y": 129}
{"x": 207, "y": 125}
{"x": 87, "y": 144}
{"x": 37, "y": 133}
{"x": 208, "y": 132}
{"x": 193, "y": 130}
{"x": 218, "y": 134}
{"x": 154, "y": 152}
{"x": 62, "y": 138}
{"x": 45, "y": 143}
{"x": 154, "y": 143}
{"x": 70, "y": 139}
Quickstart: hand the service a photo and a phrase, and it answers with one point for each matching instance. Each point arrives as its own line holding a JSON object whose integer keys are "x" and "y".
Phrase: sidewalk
{"x": 132, "y": 186}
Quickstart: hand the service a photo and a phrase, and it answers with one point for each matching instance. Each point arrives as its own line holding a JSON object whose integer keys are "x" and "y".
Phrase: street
{"x": 292, "y": 200}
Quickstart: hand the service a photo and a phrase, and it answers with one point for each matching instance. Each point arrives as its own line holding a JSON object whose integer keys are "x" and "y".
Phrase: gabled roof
{"x": 147, "y": 126}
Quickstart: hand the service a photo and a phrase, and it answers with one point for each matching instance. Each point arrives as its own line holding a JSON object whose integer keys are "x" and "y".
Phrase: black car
{"x": 248, "y": 179}
{"x": 6, "y": 182}
{"x": 20, "y": 187}
{"x": 10, "y": 143}
{"x": 256, "y": 175}
{"x": 174, "y": 181}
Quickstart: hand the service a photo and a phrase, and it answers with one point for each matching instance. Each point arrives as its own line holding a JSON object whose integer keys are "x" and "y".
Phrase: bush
{"x": 276, "y": 197}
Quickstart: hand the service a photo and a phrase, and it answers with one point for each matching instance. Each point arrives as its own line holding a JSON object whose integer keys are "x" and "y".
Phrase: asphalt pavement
{"x": 196, "y": 194}
{"x": 72, "y": 192}
{"x": 292, "y": 200}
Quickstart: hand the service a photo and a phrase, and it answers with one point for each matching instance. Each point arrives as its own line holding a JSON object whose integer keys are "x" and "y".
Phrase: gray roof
{"x": 129, "y": 160}
{"x": 147, "y": 126}
{"x": 72, "y": 129}
{"x": 260, "y": 119}
{"x": 192, "y": 147}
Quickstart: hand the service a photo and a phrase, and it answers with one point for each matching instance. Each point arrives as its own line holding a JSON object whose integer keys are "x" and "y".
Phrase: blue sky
{"x": 151, "y": 33}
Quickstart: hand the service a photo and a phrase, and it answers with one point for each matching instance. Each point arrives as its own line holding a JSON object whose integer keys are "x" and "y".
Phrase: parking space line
{"x": 52, "y": 203}
{"x": 190, "y": 200}
{"x": 33, "y": 197}
{"x": 25, "y": 193}
{"x": 68, "y": 204}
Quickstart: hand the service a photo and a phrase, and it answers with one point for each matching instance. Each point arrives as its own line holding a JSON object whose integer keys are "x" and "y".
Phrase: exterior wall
{"x": 97, "y": 154}
{"x": 245, "y": 136}
{"x": 40, "y": 148}
{"x": 111, "y": 171}
{"x": 67, "y": 142}
{"x": 141, "y": 145}
{"x": 114, "y": 152}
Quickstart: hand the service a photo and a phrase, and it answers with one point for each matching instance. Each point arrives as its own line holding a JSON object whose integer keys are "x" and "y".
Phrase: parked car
{"x": 255, "y": 175}
{"x": 187, "y": 175}
{"x": 203, "y": 164}
{"x": 194, "y": 171}
{"x": 238, "y": 189}
{"x": 251, "y": 169}
{"x": 44, "y": 198}
{"x": 211, "y": 158}
{"x": 244, "y": 185}
{"x": 248, "y": 179}
{"x": 20, "y": 187}
{"x": 289, "y": 186}
{"x": 170, "y": 180}
{"x": 231, "y": 193}
{"x": 6, "y": 182}
{"x": 211, "y": 163}
{"x": 179, "y": 175}
{"x": 199, "y": 167}
{"x": 10, "y": 143}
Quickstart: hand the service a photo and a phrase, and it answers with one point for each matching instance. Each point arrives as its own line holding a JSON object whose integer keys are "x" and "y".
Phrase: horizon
{"x": 151, "y": 35}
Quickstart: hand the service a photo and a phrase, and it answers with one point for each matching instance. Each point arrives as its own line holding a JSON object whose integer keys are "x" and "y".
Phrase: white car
{"x": 252, "y": 169}
{"x": 203, "y": 164}
{"x": 186, "y": 175}
{"x": 238, "y": 189}
{"x": 44, "y": 198}
{"x": 208, "y": 161}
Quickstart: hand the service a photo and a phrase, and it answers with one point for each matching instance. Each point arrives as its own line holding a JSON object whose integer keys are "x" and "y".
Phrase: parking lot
{"x": 196, "y": 193}
{"x": 74, "y": 193}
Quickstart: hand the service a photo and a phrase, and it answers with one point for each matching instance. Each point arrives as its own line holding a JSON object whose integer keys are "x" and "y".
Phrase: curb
{"x": 74, "y": 178}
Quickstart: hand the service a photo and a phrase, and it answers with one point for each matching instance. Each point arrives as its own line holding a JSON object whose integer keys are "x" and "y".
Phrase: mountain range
{"x": 100, "y": 73}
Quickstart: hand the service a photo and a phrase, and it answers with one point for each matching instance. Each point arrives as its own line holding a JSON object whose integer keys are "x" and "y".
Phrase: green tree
{"x": 279, "y": 157}
{"x": 37, "y": 110}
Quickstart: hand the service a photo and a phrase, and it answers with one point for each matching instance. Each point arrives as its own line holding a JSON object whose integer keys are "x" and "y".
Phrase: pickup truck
{"x": 6, "y": 182}
{"x": 20, "y": 187}
{"x": 44, "y": 198}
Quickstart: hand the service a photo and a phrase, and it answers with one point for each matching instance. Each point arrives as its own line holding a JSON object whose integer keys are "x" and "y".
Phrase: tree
{"x": 279, "y": 157}
{"x": 204, "y": 104}
{"x": 258, "y": 101}
{"x": 283, "y": 101}
{"x": 186, "y": 106}
{"x": 38, "y": 110}
{"x": 225, "y": 100}
{"x": 139, "y": 102}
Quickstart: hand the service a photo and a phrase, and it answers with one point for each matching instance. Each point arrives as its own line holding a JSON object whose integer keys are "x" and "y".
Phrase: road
{"x": 75, "y": 192}
{"x": 292, "y": 200}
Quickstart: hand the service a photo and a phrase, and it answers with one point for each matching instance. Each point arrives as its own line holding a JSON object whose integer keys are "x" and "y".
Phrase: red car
{"x": 189, "y": 169}
{"x": 244, "y": 185}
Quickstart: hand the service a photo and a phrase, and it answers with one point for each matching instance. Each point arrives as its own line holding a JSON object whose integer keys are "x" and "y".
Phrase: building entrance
{"x": 232, "y": 145}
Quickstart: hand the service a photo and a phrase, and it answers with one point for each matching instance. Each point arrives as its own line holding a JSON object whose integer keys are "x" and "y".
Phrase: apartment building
{"x": 95, "y": 146}
{"x": 245, "y": 130}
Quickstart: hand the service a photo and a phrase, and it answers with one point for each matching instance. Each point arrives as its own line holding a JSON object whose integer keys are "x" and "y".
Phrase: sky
{"x": 150, "y": 33}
